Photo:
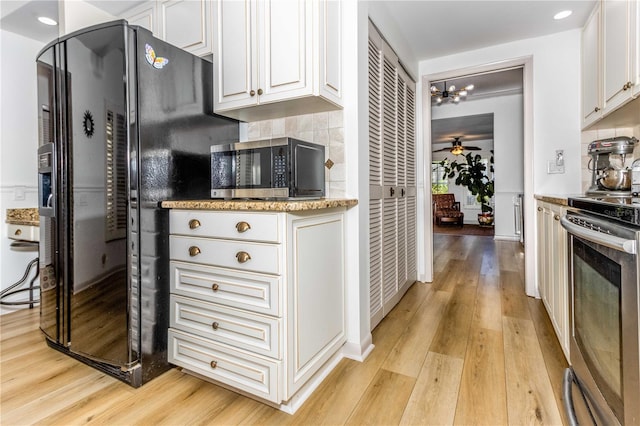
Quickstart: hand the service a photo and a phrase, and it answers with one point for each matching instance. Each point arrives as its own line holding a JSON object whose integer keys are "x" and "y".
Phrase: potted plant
{"x": 472, "y": 174}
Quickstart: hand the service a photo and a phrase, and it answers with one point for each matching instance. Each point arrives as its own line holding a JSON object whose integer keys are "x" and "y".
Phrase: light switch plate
{"x": 553, "y": 168}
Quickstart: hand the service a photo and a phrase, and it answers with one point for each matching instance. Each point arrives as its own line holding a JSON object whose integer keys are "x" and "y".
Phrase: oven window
{"x": 597, "y": 319}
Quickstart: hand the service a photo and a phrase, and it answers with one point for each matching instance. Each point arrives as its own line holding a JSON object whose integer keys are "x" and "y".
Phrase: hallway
{"x": 470, "y": 348}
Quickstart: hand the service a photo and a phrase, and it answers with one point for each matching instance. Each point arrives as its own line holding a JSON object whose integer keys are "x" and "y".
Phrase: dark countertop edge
{"x": 261, "y": 205}
{"x": 554, "y": 199}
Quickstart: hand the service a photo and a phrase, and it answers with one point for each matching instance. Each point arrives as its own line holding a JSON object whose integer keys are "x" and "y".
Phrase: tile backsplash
{"x": 324, "y": 128}
{"x": 589, "y": 136}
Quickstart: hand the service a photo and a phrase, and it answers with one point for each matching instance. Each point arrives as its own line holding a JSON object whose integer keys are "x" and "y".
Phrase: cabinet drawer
{"x": 23, "y": 232}
{"x": 245, "y": 330}
{"x": 258, "y": 257}
{"x": 239, "y": 369}
{"x": 229, "y": 225}
{"x": 244, "y": 290}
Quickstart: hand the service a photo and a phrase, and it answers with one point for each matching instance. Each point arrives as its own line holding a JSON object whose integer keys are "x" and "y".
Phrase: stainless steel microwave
{"x": 279, "y": 168}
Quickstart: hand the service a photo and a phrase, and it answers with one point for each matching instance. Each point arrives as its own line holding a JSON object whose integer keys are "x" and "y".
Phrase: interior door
{"x": 97, "y": 189}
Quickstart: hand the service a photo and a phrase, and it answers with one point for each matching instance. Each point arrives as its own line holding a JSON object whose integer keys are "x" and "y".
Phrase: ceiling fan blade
{"x": 442, "y": 150}
{"x": 472, "y": 148}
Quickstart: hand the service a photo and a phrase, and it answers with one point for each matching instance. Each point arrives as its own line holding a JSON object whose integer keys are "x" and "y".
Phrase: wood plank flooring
{"x": 469, "y": 348}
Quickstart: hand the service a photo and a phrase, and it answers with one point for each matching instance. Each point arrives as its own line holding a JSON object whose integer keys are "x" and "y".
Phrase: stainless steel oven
{"x": 602, "y": 385}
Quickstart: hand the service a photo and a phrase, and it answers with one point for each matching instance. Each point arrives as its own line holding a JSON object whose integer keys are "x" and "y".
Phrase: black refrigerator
{"x": 125, "y": 121}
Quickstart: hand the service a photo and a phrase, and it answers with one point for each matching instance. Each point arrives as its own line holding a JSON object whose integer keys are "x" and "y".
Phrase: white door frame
{"x": 529, "y": 203}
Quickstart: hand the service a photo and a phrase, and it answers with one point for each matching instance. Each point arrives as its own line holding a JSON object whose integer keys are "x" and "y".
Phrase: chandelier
{"x": 449, "y": 94}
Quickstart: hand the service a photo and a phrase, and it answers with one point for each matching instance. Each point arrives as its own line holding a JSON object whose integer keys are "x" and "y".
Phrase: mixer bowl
{"x": 616, "y": 179}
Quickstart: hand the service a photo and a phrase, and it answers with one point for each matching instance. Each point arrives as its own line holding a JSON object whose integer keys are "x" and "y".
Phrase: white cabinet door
{"x": 285, "y": 49}
{"x": 187, "y": 24}
{"x": 316, "y": 311}
{"x": 617, "y": 54}
{"x": 143, "y": 15}
{"x": 236, "y": 59}
{"x": 559, "y": 274}
{"x": 591, "y": 89}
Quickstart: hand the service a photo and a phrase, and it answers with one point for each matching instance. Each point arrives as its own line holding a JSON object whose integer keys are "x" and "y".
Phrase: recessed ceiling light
{"x": 47, "y": 21}
{"x": 562, "y": 15}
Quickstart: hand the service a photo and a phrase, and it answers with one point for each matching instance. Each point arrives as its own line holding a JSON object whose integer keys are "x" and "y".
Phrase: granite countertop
{"x": 27, "y": 216}
{"x": 261, "y": 205}
{"x": 554, "y": 199}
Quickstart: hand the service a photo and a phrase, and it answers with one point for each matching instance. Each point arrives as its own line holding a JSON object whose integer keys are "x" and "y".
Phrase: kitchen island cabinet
{"x": 552, "y": 269}
{"x": 257, "y": 297}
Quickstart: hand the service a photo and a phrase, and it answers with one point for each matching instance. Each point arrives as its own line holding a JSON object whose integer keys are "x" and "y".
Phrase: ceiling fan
{"x": 457, "y": 148}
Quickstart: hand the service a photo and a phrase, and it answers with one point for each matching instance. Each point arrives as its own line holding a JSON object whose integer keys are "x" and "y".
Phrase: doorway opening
{"x": 504, "y": 90}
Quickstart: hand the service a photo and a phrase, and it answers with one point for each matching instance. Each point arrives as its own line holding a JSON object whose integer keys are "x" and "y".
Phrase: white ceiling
{"x": 438, "y": 28}
{"x": 430, "y": 28}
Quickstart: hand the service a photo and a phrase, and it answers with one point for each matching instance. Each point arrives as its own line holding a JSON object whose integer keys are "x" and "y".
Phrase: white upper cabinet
{"x": 618, "y": 55}
{"x": 610, "y": 59}
{"x": 277, "y": 58}
{"x": 186, "y": 24}
{"x": 143, "y": 15}
{"x": 591, "y": 92}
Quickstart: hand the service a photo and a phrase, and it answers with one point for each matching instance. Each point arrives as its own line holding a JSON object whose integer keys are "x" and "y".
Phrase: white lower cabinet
{"x": 257, "y": 299}
{"x": 553, "y": 260}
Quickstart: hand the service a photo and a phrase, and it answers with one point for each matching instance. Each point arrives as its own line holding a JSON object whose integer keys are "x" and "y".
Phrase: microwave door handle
{"x": 616, "y": 243}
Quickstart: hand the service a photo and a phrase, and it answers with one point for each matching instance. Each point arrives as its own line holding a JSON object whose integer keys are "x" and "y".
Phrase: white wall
{"x": 556, "y": 100}
{"x": 508, "y": 146}
{"x": 18, "y": 143}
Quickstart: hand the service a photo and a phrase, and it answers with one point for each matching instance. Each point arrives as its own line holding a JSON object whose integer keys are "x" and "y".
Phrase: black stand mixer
{"x": 609, "y": 176}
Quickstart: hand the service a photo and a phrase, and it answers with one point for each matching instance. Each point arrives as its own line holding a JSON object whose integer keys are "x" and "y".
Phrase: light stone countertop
{"x": 28, "y": 216}
{"x": 555, "y": 199}
{"x": 261, "y": 205}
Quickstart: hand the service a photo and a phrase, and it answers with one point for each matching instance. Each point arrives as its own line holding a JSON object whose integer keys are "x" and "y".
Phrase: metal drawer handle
{"x": 194, "y": 251}
{"x": 242, "y": 227}
{"x": 18, "y": 232}
{"x": 215, "y": 287}
{"x": 214, "y": 364}
{"x": 215, "y": 325}
{"x": 194, "y": 223}
{"x": 557, "y": 217}
{"x": 243, "y": 256}
{"x": 539, "y": 209}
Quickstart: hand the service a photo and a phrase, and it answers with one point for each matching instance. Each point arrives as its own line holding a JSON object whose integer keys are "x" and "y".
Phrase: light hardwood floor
{"x": 470, "y": 348}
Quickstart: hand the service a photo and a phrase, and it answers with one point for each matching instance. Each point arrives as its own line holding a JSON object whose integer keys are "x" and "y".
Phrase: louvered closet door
{"x": 375, "y": 180}
{"x": 401, "y": 154}
{"x": 389, "y": 183}
{"x": 392, "y": 178}
{"x": 411, "y": 196}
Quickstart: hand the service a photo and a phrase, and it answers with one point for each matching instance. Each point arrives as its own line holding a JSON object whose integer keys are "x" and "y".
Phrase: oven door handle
{"x": 611, "y": 241}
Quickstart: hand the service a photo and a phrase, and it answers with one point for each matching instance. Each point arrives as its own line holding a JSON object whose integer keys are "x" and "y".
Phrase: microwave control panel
{"x": 280, "y": 171}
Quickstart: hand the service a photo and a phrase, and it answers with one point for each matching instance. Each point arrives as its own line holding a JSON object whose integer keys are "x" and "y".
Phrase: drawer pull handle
{"x": 557, "y": 217}
{"x": 539, "y": 209}
{"x": 215, "y": 325}
{"x": 214, "y": 364}
{"x": 243, "y": 256}
{"x": 194, "y": 251}
{"x": 242, "y": 227}
{"x": 215, "y": 287}
{"x": 194, "y": 223}
{"x": 18, "y": 232}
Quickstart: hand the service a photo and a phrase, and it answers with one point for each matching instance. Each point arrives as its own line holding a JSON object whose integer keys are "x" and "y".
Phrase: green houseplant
{"x": 473, "y": 175}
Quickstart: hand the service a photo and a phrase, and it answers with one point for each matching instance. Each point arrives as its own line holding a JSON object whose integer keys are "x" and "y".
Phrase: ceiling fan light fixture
{"x": 457, "y": 150}
{"x": 469, "y": 87}
{"x": 463, "y": 93}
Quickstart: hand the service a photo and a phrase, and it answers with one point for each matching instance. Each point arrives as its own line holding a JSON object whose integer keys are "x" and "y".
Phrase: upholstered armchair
{"x": 446, "y": 209}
